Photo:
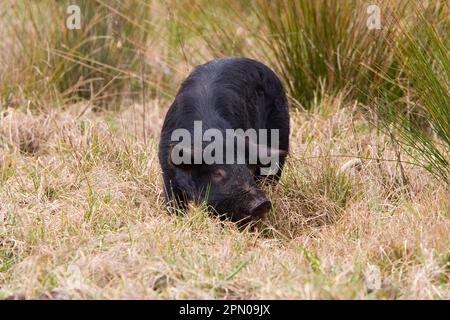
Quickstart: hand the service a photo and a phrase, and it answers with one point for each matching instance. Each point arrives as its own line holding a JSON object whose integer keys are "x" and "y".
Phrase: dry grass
{"x": 82, "y": 212}
{"x": 83, "y": 217}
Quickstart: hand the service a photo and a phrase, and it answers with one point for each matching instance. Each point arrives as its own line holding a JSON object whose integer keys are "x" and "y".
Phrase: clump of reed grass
{"x": 417, "y": 114}
{"x": 102, "y": 61}
{"x": 321, "y": 46}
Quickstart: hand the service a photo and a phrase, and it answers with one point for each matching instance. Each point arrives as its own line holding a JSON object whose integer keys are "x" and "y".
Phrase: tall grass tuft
{"x": 419, "y": 117}
{"x": 321, "y": 46}
{"x": 100, "y": 62}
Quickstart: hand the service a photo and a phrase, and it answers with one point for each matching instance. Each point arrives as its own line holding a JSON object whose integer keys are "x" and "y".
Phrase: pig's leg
{"x": 175, "y": 198}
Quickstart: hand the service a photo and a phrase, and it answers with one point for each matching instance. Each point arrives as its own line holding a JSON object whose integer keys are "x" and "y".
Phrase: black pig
{"x": 228, "y": 93}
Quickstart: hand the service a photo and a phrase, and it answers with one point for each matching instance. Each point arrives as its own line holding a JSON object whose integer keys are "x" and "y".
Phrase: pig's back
{"x": 240, "y": 91}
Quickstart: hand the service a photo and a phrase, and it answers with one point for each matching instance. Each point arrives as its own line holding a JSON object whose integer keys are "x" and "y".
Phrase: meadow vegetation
{"x": 361, "y": 211}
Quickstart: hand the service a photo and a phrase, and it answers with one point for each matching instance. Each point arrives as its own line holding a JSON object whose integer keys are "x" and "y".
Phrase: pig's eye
{"x": 218, "y": 175}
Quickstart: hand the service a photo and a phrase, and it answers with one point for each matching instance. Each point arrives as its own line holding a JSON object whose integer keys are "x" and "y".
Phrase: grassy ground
{"x": 82, "y": 216}
{"x": 81, "y": 206}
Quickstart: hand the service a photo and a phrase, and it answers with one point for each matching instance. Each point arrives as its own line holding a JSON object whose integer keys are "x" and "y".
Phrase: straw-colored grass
{"x": 83, "y": 217}
{"x": 81, "y": 206}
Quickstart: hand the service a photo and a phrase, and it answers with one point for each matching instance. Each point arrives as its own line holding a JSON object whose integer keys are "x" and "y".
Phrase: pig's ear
{"x": 181, "y": 156}
{"x": 263, "y": 150}
{"x": 272, "y": 152}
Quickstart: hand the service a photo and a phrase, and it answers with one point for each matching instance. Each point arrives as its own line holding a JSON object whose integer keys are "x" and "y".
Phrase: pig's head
{"x": 230, "y": 189}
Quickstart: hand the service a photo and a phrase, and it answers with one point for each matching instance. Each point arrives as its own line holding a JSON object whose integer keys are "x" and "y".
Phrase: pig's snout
{"x": 259, "y": 208}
